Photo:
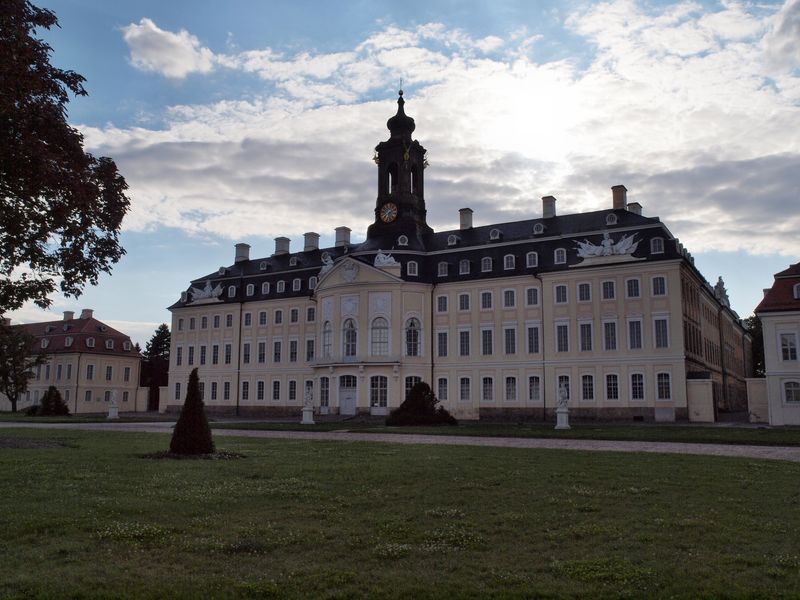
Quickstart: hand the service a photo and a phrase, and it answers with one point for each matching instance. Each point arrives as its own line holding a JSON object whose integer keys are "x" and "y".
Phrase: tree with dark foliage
{"x": 419, "y": 408}
{"x": 192, "y": 434}
{"x": 18, "y": 358}
{"x": 753, "y": 326}
{"x": 60, "y": 207}
{"x": 51, "y": 405}
{"x": 155, "y": 367}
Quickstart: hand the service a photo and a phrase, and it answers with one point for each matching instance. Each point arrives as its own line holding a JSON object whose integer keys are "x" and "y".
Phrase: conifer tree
{"x": 192, "y": 435}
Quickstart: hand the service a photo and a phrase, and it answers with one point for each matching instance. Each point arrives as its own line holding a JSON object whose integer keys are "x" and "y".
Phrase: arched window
{"x": 265, "y": 288}
{"x": 109, "y": 344}
{"x": 463, "y": 267}
{"x": 611, "y": 219}
{"x": 281, "y": 286}
{"x": 532, "y": 259}
{"x": 296, "y": 283}
{"x": 262, "y": 266}
{"x": 494, "y": 234}
{"x": 414, "y": 181}
{"x": 349, "y": 338}
{"x": 509, "y": 262}
{"x": 538, "y": 228}
{"x": 560, "y": 256}
{"x": 251, "y": 289}
{"x": 452, "y": 240}
{"x": 293, "y": 261}
{"x": 797, "y": 291}
{"x": 379, "y": 337}
{"x": 486, "y": 264}
{"x": 791, "y": 391}
{"x": 402, "y": 240}
{"x": 657, "y": 246}
{"x": 327, "y": 337}
{"x": 392, "y": 175}
{"x": 231, "y": 291}
{"x": 90, "y": 342}
{"x": 442, "y": 269}
{"x": 411, "y": 268}
{"x": 312, "y": 283}
{"x": 412, "y": 338}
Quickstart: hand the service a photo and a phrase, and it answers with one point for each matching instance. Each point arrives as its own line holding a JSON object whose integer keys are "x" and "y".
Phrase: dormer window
{"x": 109, "y": 344}
{"x": 452, "y": 240}
{"x": 293, "y": 261}
{"x": 538, "y": 229}
{"x": 126, "y": 345}
{"x": 281, "y": 286}
{"x": 411, "y": 268}
{"x": 531, "y": 259}
{"x": 265, "y": 288}
{"x": 296, "y": 283}
{"x": 797, "y": 291}
{"x": 657, "y": 246}
{"x": 222, "y": 271}
{"x": 509, "y": 262}
{"x": 560, "y": 256}
{"x": 611, "y": 219}
{"x": 486, "y": 264}
{"x": 45, "y": 342}
{"x": 442, "y": 269}
{"x": 231, "y": 291}
{"x": 262, "y": 266}
{"x": 184, "y": 296}
{"x": 494, "y": 234}
{"x": 251, "y": 289}
{"x": 402, "y": 240}
{"x": 463, "y": 267}
{"x": 90, "y": 342}
{"x": 312, "y": 283}
{"x": 68, "y": 341}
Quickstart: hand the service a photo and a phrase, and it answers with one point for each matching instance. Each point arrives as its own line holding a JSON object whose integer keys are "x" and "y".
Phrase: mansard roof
{"x": 80, "y": 331}
{"x": 781, "y": 296}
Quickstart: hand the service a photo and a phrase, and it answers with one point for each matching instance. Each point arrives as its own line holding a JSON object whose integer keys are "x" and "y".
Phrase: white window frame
{"x": 509, "y": 262}
{"x": 606, "y": 381}
{"x": 412, "y": 268}
{"x": 653, "y": 285}
{"x": 560, "y": 256}
{"x": 578, "y": 288}
{"x": 558, "y": 287}
{"x": 486, "y": 264}
{"x": 664, "y": 318}
{"x": 669, "y": 382}
{"x": 613, "y": 289}
{"x": 532, "y": 260}
{"x": 644, "y": 387}
{"x": 463, "y": 267}
{"x": 590, "y": 378}
{"x": 657, "y": 245}
{"x": 442, "y": 269}
{"x": 638, "y": 287}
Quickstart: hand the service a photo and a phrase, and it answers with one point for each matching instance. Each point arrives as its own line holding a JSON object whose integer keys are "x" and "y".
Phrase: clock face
{"x": 388, "y": 212}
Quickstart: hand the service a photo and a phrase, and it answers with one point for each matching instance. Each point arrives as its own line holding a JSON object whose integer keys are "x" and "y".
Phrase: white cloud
{"x": 173, "y": 55}
{"x": 782, "y": 43}
{"x": 674, "y": 102}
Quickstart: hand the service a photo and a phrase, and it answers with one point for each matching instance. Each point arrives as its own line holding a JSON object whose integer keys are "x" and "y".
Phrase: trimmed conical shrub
{"x": 192, "y": 434}
{"x": 52, "y": 404}
{"x": 419, "y": 408}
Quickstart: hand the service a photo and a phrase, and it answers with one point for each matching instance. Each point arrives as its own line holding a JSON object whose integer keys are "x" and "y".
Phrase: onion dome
{"x": 401, "y": 125}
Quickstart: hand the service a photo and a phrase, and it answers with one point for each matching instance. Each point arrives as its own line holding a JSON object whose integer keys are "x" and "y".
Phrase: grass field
{"x": 90, "y": 518}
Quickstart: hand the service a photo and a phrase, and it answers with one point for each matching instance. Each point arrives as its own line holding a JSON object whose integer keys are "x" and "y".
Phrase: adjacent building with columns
{"x": 497, "y": 318}
{"x": 88, "y": 362}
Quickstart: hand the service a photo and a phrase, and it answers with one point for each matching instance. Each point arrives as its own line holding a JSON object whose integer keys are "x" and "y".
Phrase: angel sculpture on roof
{"x": 607, "y": 247}
{"x": 206, "y": 292}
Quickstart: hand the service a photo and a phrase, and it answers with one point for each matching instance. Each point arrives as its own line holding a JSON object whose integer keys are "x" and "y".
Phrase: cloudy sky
{"x": 246, "y": 120}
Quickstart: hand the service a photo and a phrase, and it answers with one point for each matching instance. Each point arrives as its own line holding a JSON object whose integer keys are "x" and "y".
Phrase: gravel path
{"x": 763, "y": 452}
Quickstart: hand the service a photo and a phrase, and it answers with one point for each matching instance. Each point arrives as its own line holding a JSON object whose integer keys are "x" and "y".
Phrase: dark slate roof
{"x": 780, "y": 296}
{"x": 515, "y": 237}
{"x": 80, "y": 330}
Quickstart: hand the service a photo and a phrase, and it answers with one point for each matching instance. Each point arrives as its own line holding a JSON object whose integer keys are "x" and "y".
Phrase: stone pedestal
{"x": 308, "y": 416}
{"x": 113, "y": 411}
{"x": 562, "y": 418}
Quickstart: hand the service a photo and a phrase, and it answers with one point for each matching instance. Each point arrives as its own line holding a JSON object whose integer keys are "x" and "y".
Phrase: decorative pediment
{"x": 348, "y": 271}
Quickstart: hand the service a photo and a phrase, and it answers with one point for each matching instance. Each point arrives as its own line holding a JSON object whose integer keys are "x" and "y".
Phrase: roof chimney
{"x": 548, "y": 207}
{"x": 242, "y": 253}
{"x": 281, "y": 245}
{"x": 635, "y": 208}
{"x": 87, "y": 313}
{"x": 310, "y": 241}
{"x": 619, "y": 196}
{"x": 465, "y": 218}
{"x": 342, "y": 236}
{"x": 69, "y": 315}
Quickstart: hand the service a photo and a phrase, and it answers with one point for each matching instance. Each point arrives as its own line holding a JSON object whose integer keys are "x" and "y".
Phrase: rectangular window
{"x": 213, "y": 390}
{"x": 441, "y": 389}
{"x": 276, "y": 390}
{"x": 292, "y": 390}
{"x": 262, "y": 352}
{"x": 608, "y": 290}
{"x": 788, "y": 346}
{"x": 192, "y": 323}
{"x": 276, "y": 351}
{"x": 309, "y": 350}
{"x": 180, "y": 324}
{"x": 262, "y": 317}
{"x": 226, "y": 390}
{"x": 248, "y": 319}
{"x": 89, "y": 372}
{"x": 463, "y": 389}
{"x": 562, "y": 338}
{"x": 664, "y": 390}
{"x": 532, "y": 296}
{"x": 177, "y": 392}
{"x": 612, "y": 387}
{"x": 632, "y": 288}
{"x": 463, "y": 302}
{"x": 311, "y": 314}
{"x": 586, "y": 337}
{"x": 202, "y": 390}
{"x": 659, "y": 286}
{"x": 69, "y": 372}
{"x": 292, "y": 350}
{"x": 610, "y": 335}
{"x": 533, "y": 340}
{"x": 59, "y": 369}
{"x": 278, "y": 317}
{"x": 511, "y": 389}
{"x": 441, "y": 343}
{"x": 87, "y": 397}
{"x": 216, "y": 321}
{"x": 486, "y": 300}
{"x": 126, "y": 374}
{"x": 635, "y": 335}
{"x": 533, "y": 388}
{"x": 637, "y": 386}
{"x": 510, "y": 341}
{"x": 441, "y": 304}
{"x": 587, "y": 387}
{"x": 109, "y": 373}
{"x": 202, "y": 355}
{"x": 294, "y": 315}
{"x": 228, "y": 350}
{"x": 487, "y": 389}
{"x": 124, "y": 396}
{"x": 509, "y": 299}
{"x": 246, "y": 353}
{"x": 229, "y": 320}
{"x": 259, "y": 390}
{"x": 561, "y": 294}
{"x": 324, "y": 391}
{"x": 245, "y": 390}
{"x": 661, "y": 333}
{"x": 463, "y": 343}
{"x": 378, "y": 391}
{"x": 178, "y": 356}
{"x": 584, "y": 292}
{"x": 190, "y": 360}
{"x": 486, "y": 342}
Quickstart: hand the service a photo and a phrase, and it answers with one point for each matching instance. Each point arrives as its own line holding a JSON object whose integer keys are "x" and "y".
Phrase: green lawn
{"x": 768, "y": 436}
{"x": 91, "y": 519}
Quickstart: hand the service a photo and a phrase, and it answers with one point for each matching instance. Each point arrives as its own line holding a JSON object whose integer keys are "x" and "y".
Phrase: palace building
{"x": 607, "y": 305}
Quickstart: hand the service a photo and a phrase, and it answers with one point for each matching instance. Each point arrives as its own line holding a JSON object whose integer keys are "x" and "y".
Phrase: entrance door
{"x": 347, "y": 395}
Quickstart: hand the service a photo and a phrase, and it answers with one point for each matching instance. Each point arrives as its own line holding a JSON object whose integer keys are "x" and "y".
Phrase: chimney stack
{"x": 281, "y": 246}
{"x": 310, "y": 241}
{"x": 69, "y": 315}
{"x": 87, "y": 313}
{"x": 342, "y": 236}
{"x": 242, "y": 253}
{"x": 548, "y": 207}
{"x": 619, "y": 195}
{"x": 465, "y": 218}
{"x": 635, "y": 208}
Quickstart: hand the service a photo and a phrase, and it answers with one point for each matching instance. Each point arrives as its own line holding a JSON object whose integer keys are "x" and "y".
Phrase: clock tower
{"x": 400, "y": 208}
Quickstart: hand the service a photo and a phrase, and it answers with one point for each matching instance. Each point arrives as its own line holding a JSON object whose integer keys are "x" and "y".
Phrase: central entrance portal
{"x": 347, "y": 395}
